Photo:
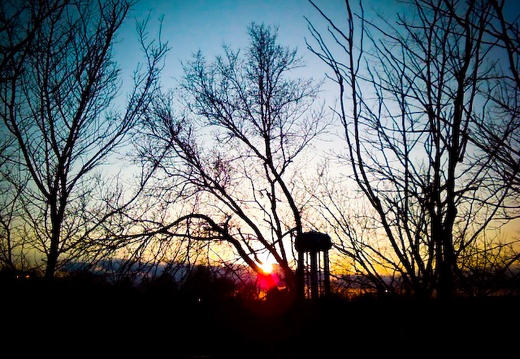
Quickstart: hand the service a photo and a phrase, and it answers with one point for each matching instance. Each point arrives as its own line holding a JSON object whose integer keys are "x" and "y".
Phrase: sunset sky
{"x": 192, "y": 25}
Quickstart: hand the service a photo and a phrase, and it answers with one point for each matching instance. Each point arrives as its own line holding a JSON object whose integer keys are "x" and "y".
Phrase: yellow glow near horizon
{"x": 266, "y": 267}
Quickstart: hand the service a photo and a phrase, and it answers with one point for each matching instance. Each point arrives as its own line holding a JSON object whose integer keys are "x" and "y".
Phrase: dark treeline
{"x": 85, "y": 314}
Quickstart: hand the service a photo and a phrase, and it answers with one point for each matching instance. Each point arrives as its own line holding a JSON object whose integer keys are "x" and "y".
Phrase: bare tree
{"x": 236, "y": 151}
{"x": 59, "y": 81}
{"x": 20, "y": 23}
{"x": 27, "y": 19}
{"x": 498, "y": 129}
{"x": 412, "y": 106}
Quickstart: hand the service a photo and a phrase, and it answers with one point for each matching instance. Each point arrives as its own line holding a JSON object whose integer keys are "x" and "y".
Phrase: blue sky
{"x": 190, "y": 25}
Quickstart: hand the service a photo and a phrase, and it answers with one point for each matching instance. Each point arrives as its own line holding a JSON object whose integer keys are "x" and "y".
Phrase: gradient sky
{"x": 192, "y": 25}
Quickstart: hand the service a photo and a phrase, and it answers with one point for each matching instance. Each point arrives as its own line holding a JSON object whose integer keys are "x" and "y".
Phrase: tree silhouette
{"x": 58, "y": 83}
{"x": 236, "y": 151}
{"x": 415, "y": 96}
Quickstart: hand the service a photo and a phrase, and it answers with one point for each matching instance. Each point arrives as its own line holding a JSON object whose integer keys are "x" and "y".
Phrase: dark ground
{"x": 101, "y": 324}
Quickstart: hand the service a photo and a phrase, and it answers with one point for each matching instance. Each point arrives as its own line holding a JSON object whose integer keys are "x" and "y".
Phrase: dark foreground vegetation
{"x": 75, "y": 319}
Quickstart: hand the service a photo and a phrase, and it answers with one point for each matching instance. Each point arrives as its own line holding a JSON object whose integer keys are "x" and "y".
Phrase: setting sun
{"x": 266, "y": 267}
{"x": 267, "y": 278}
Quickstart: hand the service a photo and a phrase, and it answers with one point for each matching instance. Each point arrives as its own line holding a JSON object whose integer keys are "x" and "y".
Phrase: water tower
{"x": 313, "y": 273}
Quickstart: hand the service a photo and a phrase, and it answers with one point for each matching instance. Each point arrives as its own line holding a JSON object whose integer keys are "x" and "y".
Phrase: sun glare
{"x": 266, "y": 267}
